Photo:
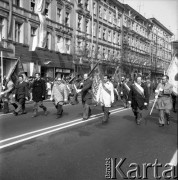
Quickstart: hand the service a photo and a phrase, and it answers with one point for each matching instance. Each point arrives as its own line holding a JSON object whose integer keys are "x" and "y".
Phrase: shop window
{"x": 32, "y": 5}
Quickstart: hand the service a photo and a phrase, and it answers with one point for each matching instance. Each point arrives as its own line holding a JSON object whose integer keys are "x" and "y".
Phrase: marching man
{"x": 105, "y": 96}
{"x": 124, "y": 90}
{"x": 138, "y": 98}
{"x": 164, "y": 102}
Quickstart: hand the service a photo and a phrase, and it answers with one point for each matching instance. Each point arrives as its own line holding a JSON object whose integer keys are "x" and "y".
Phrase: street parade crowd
{"x": 134, "y": 93}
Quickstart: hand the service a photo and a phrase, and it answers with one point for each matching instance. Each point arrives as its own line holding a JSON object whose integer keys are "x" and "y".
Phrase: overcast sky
{"x": 166, "y": 11}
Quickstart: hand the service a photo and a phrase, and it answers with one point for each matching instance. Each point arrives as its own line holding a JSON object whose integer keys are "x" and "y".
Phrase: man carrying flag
{"x": 105, "y": 97}
{"x": 124, "y": 90}
{"x": 138, "y": 98}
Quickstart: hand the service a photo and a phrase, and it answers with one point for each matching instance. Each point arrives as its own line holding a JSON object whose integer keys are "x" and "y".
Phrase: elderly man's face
{"x": 139, "y": 80}
{"x": 37, "y": 76}
{"x": 105, "y": 79}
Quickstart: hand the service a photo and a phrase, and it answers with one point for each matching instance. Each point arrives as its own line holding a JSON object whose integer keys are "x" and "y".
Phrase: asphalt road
{"x": 79, "y": 152}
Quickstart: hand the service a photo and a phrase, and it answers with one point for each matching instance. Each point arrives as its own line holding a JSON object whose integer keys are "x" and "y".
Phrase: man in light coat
{"x": 164, "y": 102}
{"x": 59, "y": 96}
{"x": 105, "y": 97}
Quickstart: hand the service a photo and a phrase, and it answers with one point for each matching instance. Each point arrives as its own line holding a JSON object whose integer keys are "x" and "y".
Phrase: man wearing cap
{"x": 59, "y": 96}
{"x": 138, "y": 98}
{"x": 164, "y": 102}
{"x": 124, "y": 90}
{"x": 21, "y": 95}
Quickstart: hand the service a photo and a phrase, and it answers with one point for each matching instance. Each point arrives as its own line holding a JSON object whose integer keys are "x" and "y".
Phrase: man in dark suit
{"x": 21, "y": 94}
{"x": 138, "y": 98}
{"x": 86, "y": 96}
{"x": 38, "y": 94}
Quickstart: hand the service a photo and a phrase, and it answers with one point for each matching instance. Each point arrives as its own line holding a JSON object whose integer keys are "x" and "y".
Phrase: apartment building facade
{"x": 79, "y": 34}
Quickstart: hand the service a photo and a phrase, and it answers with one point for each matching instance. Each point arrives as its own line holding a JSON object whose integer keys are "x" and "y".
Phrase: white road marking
{"x": 174, "y": 159}
{"x": 51, "y": 127}
{"x": 54, "y": 130}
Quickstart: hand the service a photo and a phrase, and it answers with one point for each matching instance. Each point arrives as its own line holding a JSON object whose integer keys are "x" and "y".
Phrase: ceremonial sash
{"x": 139, "y": 89}
{"x": 126, "y": 86}
{"x": 106, "y": 89}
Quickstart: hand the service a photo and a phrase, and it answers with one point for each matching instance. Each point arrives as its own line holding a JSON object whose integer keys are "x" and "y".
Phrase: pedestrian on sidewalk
{"x": 164, "y": 102}
{"x": 86, "y": 95}
{"x": 21, "y": 94}
{"x": 59, "y": 96}
{"x": 105, "y": 97}
{"x": 138, "y": 98}
{"x": 38, "y": 94}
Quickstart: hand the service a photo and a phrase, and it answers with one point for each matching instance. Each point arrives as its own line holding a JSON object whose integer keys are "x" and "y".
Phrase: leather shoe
{"x": 161, "y": 125}
{"x": 85, "y": 119}
{"x": 58, "y": 116}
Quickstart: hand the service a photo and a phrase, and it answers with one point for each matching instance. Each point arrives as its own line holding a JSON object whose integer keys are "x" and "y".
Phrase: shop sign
{"x": 66, "y": 70}
{"x": 58, "y": 70}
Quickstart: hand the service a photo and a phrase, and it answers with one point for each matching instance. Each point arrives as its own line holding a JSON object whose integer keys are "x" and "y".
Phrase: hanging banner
{"x": 172, "y": 72}
{"x": 40, "y": 10}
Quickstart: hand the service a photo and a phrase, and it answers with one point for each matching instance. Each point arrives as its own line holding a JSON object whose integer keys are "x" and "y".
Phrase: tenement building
{"x": 70, "y": 36}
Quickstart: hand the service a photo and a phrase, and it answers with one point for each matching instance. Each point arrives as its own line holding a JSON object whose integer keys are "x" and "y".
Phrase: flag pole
{"x": 2, "y": 69}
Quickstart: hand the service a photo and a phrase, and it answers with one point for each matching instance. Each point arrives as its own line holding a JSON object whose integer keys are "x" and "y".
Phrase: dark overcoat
{"x": 87, "y": 92}
{"x": 137, "y": 100}
{"x": 124, "y": 90}
{"x": 21, "y": 90}
{"x": 38, "y": 90}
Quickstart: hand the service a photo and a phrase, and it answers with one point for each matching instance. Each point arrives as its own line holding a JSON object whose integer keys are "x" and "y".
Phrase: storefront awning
{"x": 44, "y": 57}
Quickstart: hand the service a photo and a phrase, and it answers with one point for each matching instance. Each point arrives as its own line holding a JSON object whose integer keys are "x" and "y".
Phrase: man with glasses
{"x": 164, "y": 102}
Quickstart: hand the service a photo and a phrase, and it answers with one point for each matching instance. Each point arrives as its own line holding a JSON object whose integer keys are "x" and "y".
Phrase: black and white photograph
{"x": 88, "y": 89}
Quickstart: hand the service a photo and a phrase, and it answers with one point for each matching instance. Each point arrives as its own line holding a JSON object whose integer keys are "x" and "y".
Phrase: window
{"x": 105, "y": 14}
{"x": 32, "y": 5}
{"x": 104, "y": 34}
{"x": 87, "y": 5}
{"x": 17, "y": 2}
{"x": 67, "y": 19}
{"x": 94, "y": 29}
{"x": 87, "y": 27}
{"x": 33, "y": 31}
{"x": 1, "y": 28}
{"x": 79, "y": 23}
{"x": 100, "y": 32}
{"x": 110, "y": 17}
{"x": 48, "y": 40}
{"x": 100, "y": 13}
{"x": 94, "y": 8}
{"x": 18, "y": 32}
{"x": 109, "y": 36}
{"x": 59, "y": 15}
{"x": 47, "y": 9}
{"x": 68, "y": 46}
